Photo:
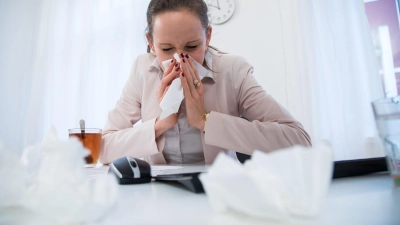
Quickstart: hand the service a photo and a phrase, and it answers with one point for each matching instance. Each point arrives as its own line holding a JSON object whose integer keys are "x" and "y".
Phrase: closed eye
{"x": 192, "y": 47}
{"x": 167, "y": 49}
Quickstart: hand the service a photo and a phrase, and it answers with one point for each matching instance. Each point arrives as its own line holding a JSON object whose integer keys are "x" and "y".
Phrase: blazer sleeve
{"x": 120, "y": 138}
{"x": 270, "y": 125}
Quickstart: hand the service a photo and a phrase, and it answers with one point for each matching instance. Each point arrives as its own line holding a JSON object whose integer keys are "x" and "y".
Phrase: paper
{"x": 97, "y": 172}
{"x": 279, "y": 185}
{"x": 54, "y": 184}
{"x": 173, "y": 98}
{"x": 12, "y": 187}
{"x": 162, "y": 168}
{"x": 165, "y": 64}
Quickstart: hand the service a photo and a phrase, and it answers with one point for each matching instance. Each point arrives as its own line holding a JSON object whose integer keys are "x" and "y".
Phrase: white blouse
{"x": 183, "y": 142}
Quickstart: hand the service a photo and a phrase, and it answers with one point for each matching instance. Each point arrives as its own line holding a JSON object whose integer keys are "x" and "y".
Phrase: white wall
{"x": 254, "y": 32}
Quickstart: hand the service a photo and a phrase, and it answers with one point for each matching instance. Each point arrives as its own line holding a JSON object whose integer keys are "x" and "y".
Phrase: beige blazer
{"x": 231, "y": 91}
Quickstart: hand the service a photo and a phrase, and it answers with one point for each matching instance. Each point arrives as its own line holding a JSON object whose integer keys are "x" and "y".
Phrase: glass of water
{"x": 387, "y": 117}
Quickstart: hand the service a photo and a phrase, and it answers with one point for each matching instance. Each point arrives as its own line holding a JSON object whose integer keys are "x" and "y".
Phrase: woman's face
{"x": 177, "y": 32}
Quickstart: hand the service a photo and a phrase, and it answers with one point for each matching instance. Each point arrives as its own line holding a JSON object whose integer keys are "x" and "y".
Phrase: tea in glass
{"x": 91, "y": 140}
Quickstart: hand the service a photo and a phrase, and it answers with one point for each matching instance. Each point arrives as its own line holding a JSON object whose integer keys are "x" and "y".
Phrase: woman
{"x": 208, "y": 121}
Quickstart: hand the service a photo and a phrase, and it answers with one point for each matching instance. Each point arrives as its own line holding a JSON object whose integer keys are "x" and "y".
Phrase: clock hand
{"x": 213, "y": 6}
{"x": 218, "y": 5}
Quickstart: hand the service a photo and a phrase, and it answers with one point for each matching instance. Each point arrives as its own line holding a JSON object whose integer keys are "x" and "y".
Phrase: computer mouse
{"x": 130, "y": 170}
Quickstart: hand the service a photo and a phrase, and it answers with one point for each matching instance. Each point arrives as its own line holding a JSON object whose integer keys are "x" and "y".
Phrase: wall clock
{"x": 220, "y": 11}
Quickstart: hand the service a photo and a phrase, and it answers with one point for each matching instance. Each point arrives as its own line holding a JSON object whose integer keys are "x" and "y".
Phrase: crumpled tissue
{"x": 173, "y": 98}
{"x": 284, "y": 184}
{"x": 11, "y": 182}
{"x": 55, "y": 184}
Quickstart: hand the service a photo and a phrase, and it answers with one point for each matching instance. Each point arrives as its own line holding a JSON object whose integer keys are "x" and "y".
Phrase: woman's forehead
{"x": 169, "y": 26}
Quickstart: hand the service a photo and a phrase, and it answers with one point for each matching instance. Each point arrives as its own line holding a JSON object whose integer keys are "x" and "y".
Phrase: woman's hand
{"x": 194, "y": 93}
{"x": 170, "y": 74}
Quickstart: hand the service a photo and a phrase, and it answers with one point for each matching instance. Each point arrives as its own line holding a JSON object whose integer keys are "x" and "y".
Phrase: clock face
{"x": 220, "y": 11}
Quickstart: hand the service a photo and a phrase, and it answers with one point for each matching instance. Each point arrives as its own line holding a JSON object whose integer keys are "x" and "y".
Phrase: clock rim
{"x": 227, "y": 19}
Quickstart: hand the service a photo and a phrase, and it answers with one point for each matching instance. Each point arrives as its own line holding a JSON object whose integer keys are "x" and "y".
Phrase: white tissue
{"x": 173, "y": 98}
{"x": 11, "y": 179}
{"x": 279, "y": 185}
{"x": 55, "y": 184}
{"x": 165, "y": 64}
{"x": 176, "y": 56}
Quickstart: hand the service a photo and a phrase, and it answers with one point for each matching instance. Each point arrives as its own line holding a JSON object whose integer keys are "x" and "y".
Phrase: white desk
{"x": 360, "y": 200}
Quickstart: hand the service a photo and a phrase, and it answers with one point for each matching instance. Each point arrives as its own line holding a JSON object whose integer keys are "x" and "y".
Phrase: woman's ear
{"x": 208, "y": 36}
{"x": 149, "y": 41}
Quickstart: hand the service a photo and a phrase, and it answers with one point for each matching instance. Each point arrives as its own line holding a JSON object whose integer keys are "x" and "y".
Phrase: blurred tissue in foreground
{"x": 281, "y": 185}
{"x": 50, "y": 182}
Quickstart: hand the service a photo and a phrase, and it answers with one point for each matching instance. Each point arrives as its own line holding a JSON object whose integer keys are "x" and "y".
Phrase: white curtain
{"x": 77, "y": 56}
{"x": 332, "y": 73}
